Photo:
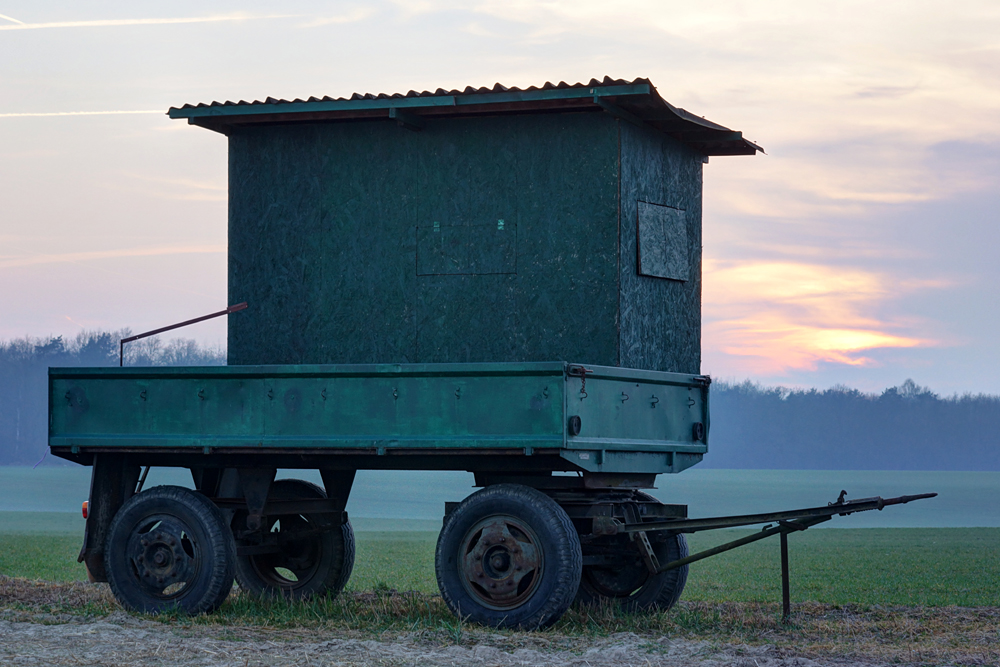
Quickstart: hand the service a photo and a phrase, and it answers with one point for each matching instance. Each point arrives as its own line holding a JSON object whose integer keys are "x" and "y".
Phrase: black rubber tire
{"x": 169, "y": 537}
{"x": 543, "y": 542}
{"x": 329, "y": 554}
{"x": 631, "y": 585}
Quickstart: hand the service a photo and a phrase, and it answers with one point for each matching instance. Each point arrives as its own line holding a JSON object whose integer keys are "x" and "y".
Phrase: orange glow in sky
{"x": 776, "y": 316}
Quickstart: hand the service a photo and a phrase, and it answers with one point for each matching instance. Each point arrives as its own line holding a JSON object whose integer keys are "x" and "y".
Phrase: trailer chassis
{"x": 607, "y": 515}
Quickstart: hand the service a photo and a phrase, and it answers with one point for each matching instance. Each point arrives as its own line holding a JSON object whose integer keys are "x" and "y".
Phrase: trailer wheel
{"x": 630, "y": 584}
{"x": 315, "y": 558}
{"x": 169, "y": 548}
{"x": 508, "y": 557}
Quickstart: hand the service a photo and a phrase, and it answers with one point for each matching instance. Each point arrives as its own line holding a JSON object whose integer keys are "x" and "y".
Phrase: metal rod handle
{"x": 121, "y": 343}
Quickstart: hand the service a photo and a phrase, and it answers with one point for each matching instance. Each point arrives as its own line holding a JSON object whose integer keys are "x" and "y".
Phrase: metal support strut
{"x": 787, "y": 522}
{"x": 786, "y": 602}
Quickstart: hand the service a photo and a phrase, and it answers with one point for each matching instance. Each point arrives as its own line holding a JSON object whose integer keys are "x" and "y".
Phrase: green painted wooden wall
{"x": 364, "y": 242}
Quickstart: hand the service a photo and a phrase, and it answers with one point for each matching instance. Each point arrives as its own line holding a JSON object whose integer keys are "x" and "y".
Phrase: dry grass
{"x": 901, "y": 635}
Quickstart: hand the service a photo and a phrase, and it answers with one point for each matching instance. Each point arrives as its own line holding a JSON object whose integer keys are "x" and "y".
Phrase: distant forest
{"x": 24, "y": 367}
{"x": 904, "y": 428}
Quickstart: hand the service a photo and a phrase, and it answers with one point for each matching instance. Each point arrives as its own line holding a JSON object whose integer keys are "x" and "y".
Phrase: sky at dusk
{"x": 862, "y": 249}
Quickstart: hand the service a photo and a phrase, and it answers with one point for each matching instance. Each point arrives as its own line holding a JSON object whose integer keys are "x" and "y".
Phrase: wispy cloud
{"x": 184, "y": 189}
{"x": 773, "y": 343}
{"x": 771, "y": 317}
{"x": 73, "y": 257}
{"x": 356, "y": 14}
{"x": 105, "y": 23}
{"x": 41, "y": 114}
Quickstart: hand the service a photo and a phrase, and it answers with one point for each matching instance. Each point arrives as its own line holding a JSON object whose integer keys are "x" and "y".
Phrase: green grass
{"x": 403, "y": 561}
{"x": 868, "y": 566}
{"x": 46, "y": 557}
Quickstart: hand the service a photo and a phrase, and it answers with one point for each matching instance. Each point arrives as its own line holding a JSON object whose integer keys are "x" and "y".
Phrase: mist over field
{"x": 908, "y": 427}
{"x": 24, "y": 364}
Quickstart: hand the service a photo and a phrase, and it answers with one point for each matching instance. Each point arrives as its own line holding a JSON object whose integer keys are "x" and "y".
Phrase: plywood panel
{"x": 326, "y": 221}
{"x": 663, "y": 242}
{"x": 661, "y": 319}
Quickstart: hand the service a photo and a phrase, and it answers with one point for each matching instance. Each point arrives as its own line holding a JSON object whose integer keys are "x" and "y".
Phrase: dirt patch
{"x": 123, "y": 641}
{"x": 36, "y": 594}
{"x": 79, "y": 624}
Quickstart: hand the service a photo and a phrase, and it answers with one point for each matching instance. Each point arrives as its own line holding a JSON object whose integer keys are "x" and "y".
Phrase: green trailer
{"x": 562, "y": 453}
{"x": 413, "y": 264}
{"x": 558, "y": 444}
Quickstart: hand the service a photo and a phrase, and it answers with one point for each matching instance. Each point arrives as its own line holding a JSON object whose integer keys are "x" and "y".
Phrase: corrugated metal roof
{"x": 636, "y": 101}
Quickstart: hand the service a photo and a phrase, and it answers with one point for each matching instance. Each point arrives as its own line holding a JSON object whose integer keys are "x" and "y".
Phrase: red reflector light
{"x": 86, "y": 506}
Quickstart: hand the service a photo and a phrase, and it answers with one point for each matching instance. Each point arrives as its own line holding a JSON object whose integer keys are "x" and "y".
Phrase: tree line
{"x": 24, "y": 365}
{"x": 908, "y": 427}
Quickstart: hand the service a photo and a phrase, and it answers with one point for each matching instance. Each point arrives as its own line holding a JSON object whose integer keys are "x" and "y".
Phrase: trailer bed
{"x": 590, "y": 418}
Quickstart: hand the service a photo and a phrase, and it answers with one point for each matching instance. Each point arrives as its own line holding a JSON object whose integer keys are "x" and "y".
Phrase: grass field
{"x": 869, "y": 566}
{"x": 902, "y": 595}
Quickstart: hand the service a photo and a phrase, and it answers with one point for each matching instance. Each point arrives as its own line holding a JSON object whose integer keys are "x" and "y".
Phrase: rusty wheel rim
{"x": 165, "y": 557}
{"x": 501, "y": 562}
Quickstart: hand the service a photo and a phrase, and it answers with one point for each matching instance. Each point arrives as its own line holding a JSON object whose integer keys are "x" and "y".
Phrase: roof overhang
{"x": 635, "y": 102}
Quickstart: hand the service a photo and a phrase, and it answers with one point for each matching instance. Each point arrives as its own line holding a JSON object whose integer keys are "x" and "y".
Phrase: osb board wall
{"x": 660, "y": 318}
{"x": 324, "y": 228}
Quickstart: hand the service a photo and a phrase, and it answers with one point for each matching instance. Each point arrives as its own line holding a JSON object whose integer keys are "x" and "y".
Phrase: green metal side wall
{"x": 325, "y": 220}
{"x": 660, "y": 318}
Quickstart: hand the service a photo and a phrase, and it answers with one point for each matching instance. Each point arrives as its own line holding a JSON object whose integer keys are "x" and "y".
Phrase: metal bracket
{"x": 338, "y": 484}
{"x": 646, "y": 551}
{"x": 618, "y": 112}
{"x": 256, "y": 483}
{"x": 406, "y": 119}
{"x": 640, "y": 539}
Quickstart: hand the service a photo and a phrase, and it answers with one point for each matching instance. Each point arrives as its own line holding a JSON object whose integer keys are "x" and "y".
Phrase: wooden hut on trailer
{"x": 484, "y": 224}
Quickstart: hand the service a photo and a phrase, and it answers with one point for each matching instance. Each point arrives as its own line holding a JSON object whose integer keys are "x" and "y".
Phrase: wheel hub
{"x": 502, "y": 562}
{"x": 160, "y": 557}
